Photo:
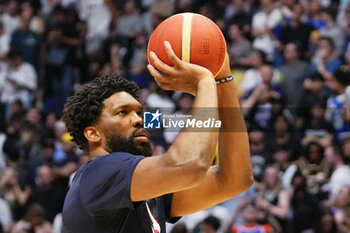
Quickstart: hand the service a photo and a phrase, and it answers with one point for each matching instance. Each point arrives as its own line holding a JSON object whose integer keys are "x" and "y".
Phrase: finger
{"x": 171, "y": 54}
{"x": 161, "y": 66}
{"x": 158, "y": 75}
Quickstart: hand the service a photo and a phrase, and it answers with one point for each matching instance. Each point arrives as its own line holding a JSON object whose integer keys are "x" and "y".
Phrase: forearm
{"x": 235, "y": 169}
{"x": 199, "y": 147}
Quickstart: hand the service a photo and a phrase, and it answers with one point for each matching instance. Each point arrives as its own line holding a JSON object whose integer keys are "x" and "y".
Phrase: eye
{"x": 140, "y": 114}
{"x": 122, "y": 112}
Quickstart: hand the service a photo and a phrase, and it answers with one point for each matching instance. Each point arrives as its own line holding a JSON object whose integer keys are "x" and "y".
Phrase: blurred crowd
{"x": 291, "y": 62}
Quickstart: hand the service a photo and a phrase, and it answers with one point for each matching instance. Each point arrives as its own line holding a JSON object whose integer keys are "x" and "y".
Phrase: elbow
{"x": 242, "y": 183}
{"x": 246, "y": 182}
{"x": 196, "y": 174}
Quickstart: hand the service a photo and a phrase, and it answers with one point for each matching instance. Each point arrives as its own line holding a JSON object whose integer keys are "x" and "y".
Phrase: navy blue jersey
{"x": 99, "y": 200}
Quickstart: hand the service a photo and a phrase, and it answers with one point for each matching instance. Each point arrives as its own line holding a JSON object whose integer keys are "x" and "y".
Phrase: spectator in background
{"x": 252, "y": 77}
{"x": 264, "y": 22}
{"x": 63, "y": 40}
{"x": 250, "y": 217}
{"x": 65, "y": 160}
{"x": 283, "y": 135}
{"x": 5, "y": 216}
{"x": 313, "y": 92}
{"x": 274, "y": 199}
{"x": 11, "y": 191}
{"x": 294, "y": 73}
{"x": 313, "y": 16}
{"x": 332, "y": 30}
{"x": 138, "y": 61}
{"x": 11, "y": 18}
{"x": 240, "y": 48}
{"x": 303, "y": 205}
{"x": 4, "y": 44}
{"x": 29, "y": 147}
{"x": 25, "y": 39}
{"x": 317, "y": 129}
{"x": 325, "y": 222}
{"x": 287, "y": 170}
{"x": 130, "y": 22}
{"x": 20, "y": 81}
{"x": 237, "y": 13}
{"x": 179, "y": 228}
{"x": 210, "y": 225}
{"x": 337, "y": 84}
{"x": 325, "y": 60}
{"x": 34, "y": 221}
{"x": 296, "y": 31}
{"x": 259, "y": 150}
{"x": 313, "y": 168}
{"x": 257, "y": 105}
{"x": 47, "y": 193}
{"x": 340, "y": 172}
{"x": 97, "y": 17}
{"x": 341, "y": 209}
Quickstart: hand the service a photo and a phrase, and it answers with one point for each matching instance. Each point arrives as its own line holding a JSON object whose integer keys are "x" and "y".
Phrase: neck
{"x": 292, "y": 61}
{"x": 338, "y": 164}
{"x": 94, "y": 152}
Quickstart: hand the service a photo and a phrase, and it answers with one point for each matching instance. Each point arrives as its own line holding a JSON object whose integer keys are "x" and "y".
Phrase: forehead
{"x": 120, "y": 99}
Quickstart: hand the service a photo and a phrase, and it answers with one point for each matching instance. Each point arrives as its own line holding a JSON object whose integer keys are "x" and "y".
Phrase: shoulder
{"x": 112, "y": 160}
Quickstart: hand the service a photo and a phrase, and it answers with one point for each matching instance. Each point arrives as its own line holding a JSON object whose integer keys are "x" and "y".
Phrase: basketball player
{"x": 125, "y": 189}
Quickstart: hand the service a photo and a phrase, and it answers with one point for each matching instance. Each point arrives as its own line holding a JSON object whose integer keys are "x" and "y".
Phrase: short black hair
{"x": 14, "y": 53}
{"x": 329, "y": 39}
{"x": 85, "y": 106}
{"x": 342, "y": 76}
{"x": 212, "y": 221}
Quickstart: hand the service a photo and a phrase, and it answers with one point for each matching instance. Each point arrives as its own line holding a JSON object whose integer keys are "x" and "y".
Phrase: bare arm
{"x": 234, "y": 173}
{"x": 186, "y": 162}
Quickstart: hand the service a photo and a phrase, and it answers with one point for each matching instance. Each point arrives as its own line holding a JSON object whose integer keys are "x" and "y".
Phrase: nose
{"x": 137, "y": 120}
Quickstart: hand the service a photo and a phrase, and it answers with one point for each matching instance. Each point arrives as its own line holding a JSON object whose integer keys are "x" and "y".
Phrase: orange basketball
{"x": 193, "y": 37}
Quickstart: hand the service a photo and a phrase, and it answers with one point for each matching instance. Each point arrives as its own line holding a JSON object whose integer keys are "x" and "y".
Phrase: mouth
{"x": 141, "y": 135}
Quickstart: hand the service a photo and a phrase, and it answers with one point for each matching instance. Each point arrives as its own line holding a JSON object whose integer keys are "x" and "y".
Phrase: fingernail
{"x": 166, "y": 43}
{"x": 152, "y": 54}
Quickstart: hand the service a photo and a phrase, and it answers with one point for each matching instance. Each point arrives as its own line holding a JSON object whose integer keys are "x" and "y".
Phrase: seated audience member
{"x": 313, "y": 93}
{"x": 287, "y": 169}
{"x": 257, "y": 104}
{"x": 334, "y": 113}
{"x": 341, "y": 209}
{"x": 252, "y": 77}
{"x": 250, "y": 215}
{"x": 296, "y": 30}
{"x": 313, "y": 168}
{"x": 239, "y": 48}
{"x": 326, "y": 61}
{"x": 325, "y": 222}
{"x": 294, "y": 73}
{"x": 273, "y": 199}
{"x": 34, "y": 221}
{"x": 47, "y": 193}
{"x": 340, "y": 172}
{"x": 332, "y": 29}
{"x": 303, "y": 205}
{"x": 13, "y": 193}
{"x": 316, "y": 128}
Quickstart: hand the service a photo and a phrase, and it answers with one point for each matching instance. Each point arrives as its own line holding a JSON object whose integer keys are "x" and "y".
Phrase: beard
{"x": 116, "y": 143}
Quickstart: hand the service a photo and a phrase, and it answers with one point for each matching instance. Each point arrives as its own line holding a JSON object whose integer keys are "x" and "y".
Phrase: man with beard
{"x": 125, "y": 189}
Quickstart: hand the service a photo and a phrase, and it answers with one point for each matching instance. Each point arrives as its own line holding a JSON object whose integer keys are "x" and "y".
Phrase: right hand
{"x": 183, "y": 76}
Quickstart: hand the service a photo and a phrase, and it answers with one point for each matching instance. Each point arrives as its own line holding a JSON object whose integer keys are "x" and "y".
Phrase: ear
{"x": 92, "y": 134}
